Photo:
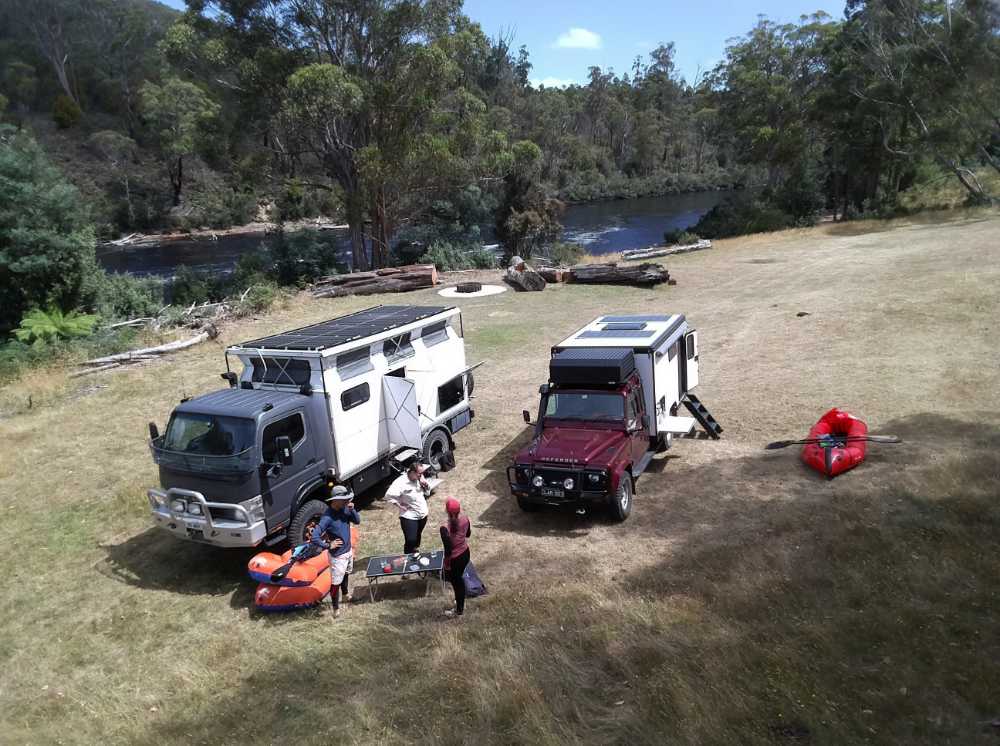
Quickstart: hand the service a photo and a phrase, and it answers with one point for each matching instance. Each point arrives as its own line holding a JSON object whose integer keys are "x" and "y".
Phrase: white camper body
{"x": 666, "y": 358}
{"x": 391, "y": 377}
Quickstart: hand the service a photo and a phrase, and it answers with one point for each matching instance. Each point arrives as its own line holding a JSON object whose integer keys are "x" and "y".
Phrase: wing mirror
{"x": 283, "y": 445}
{"x": 154, "y": 431}
{"x": 527, "y": 416}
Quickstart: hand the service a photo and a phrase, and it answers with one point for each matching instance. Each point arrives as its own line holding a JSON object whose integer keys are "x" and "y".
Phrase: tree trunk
{"x": 381, "y": 233}
{"x": 176, "y": 172}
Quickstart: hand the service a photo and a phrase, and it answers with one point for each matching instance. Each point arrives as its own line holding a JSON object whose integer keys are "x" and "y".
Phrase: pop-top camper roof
{"x": 344, "y": 330}
{"x": 635, "y": 332}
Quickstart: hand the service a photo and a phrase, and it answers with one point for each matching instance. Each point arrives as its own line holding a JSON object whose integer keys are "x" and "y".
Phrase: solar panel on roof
{"x": 346, "y": 329}
{"x": 613, "y": 333}
{"x": 625, "y": 327}
{"x": 632, "y": 319}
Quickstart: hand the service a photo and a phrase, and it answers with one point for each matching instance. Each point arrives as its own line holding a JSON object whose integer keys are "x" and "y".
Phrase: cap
{"x": 453, "y": 506}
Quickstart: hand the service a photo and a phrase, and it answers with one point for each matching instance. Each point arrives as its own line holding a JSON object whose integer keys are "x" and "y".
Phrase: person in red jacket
{"x": 455, "y": 533}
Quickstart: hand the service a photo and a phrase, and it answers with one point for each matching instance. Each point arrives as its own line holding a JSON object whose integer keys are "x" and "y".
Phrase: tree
{"x": 46, "y": 241}
{"x": 52, "y": 22}
{"x": 526, "y": 218}
{"x": 179, "y": 114}
{"x": 118, "y": 151}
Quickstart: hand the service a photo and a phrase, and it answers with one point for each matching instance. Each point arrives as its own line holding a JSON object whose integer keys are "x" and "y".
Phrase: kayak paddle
{"x": 833, "y": 440}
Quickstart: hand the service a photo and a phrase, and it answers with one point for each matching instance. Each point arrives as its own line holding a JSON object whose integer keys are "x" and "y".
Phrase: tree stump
{"x": 468, "y": 287}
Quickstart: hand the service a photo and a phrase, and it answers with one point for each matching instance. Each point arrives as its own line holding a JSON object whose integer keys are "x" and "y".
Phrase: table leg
{"x": 371, "y": 588}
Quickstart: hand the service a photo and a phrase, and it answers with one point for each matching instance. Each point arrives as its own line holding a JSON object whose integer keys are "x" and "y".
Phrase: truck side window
{"x": 435, "y": 333}
{"x": 451, "y": 394}
{"x": 632, "y": 412}
{"x": 354, "y": 363}
{"x": 397, "y": 347}
{"x": 355, "y": 397}
{"x": 293, "y": 426}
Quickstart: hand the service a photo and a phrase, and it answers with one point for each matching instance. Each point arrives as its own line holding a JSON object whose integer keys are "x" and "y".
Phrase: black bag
{"x": 447, "y": 461}
{"x": 474, "y": 586}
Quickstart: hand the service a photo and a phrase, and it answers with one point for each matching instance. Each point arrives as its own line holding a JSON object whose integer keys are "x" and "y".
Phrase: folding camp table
{"x": 405, "y": 564}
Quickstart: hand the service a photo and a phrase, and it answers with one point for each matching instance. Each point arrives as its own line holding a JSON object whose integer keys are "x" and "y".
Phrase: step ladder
{"x": 704, "y": 417}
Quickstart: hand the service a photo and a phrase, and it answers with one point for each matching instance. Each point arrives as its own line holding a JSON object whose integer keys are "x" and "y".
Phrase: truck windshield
{"x": 208, "y": 435}
{"x": 585, "y": 406}
{"x": 207, "y": 444}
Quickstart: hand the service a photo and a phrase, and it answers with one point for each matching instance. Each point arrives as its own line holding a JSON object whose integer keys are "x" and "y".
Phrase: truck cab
{"x": 612, "y": 401}
{"x": 233, "y": 459}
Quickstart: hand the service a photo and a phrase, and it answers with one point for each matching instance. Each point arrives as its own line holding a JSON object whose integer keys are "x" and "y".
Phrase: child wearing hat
{"x": 335, "y": 523}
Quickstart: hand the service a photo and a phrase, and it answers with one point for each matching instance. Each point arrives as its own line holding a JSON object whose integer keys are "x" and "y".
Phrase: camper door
{"x": 400, "y": 426}
{"x": 691, "y": 359}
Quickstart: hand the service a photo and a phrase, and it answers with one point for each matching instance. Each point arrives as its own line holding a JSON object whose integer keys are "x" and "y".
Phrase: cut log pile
{"x": 388, "y": 280}
{"x": 613, "y": 274}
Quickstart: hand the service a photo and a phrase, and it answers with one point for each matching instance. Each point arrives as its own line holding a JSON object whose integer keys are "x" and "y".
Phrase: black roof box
{"x": 591, "y": 366}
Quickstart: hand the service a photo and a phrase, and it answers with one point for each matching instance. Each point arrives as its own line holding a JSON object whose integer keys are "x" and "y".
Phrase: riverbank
{"x": 764, "y": 601}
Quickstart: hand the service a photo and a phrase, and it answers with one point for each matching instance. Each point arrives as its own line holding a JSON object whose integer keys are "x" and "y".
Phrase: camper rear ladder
{"x": 701, "y": 414}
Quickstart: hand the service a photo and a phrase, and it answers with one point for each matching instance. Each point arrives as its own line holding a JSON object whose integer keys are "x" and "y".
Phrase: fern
{"x": 40, "y": 327}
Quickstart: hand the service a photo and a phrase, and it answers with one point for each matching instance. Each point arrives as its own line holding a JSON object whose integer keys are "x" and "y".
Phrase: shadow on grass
{"x": 789, "y": 609}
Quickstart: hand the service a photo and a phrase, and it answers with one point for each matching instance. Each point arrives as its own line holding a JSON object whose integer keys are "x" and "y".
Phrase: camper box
{"x": 665, "y": 353}
{"x": 394, "y": 379}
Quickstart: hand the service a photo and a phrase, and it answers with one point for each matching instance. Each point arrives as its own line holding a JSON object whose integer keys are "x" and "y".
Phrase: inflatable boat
{"x": 269, "y": 597}
{"x": 306, "y": 566}
{"x": 840, "y": 443}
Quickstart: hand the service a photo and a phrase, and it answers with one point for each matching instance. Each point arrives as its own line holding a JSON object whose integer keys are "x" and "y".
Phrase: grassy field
{"x": 746, "y": 600}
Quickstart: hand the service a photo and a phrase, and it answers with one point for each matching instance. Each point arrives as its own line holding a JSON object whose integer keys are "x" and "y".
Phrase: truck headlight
{"x": 194, "y": 508}
{"x": 569, "y": 483}
{"x": 178, "y": 506}
{"x": 255, "y": 507}
{"x": 538, "y": 481}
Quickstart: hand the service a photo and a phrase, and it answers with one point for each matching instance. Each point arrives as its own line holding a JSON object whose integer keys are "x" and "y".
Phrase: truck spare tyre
{"x": 436, "y": 445}
{"x": 306, "y": 518}
{"x": 468, "y": 287}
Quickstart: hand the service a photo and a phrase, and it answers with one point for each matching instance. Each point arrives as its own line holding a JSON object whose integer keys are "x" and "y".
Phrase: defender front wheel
{"x": 621, "y": 503}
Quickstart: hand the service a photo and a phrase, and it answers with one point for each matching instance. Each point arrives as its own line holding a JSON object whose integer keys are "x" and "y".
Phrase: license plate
{"x": 551, "y": 492}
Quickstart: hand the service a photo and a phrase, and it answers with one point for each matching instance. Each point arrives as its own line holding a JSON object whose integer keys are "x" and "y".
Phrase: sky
{"x": 565, "y": 38}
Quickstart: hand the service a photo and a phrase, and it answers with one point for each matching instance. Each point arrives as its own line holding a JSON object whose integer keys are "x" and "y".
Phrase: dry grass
{"x": 745, "y": 600}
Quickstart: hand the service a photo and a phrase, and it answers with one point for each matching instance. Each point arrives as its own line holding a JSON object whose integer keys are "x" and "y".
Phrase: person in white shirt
{"x": 409, "y": 493}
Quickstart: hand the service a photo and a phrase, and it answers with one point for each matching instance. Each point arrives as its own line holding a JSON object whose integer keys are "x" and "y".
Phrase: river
{"x": 601, "y": 227}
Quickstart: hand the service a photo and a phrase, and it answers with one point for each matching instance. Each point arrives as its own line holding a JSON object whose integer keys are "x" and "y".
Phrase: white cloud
{"x": 644, "y": 45}
{"x": 551, "y": 82}
{"x": 578, "y": 38}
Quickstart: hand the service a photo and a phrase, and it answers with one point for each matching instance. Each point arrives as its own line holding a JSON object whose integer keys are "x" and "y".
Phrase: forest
{"x": 404, "y": 120}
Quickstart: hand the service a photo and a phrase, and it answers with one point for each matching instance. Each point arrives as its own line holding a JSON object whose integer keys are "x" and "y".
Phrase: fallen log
{"x": 521, "y": 276}
{"x": 641, "y": 274}
{"x": 655, "y": 251}
{"x": 553, "y": 274}
{"x": 98, "y": 369}
{"x": 148, "y": 353}
{"x": 426, "y": 273}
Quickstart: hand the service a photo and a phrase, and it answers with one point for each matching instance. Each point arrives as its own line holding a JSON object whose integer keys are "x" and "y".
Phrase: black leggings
{"x": 412, "y": 528}
{"x": 457, "y": 581}
{"x": 340, "y": 591}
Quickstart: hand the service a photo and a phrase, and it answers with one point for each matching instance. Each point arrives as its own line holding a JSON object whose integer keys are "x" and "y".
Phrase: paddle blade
{"x": 779, "y": 444}
{"x": 282, "y": 571}
{"x": 883, "y": 439}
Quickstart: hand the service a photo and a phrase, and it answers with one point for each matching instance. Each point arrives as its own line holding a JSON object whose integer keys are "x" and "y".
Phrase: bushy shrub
{"x": 740, "y": 216}
{"x": 65, "y": 112}
{"x": 189, "y": 286}
{"x": 16, "y": 357}
{"x": 448, "y": 257}
{"x": 565, "y": 253}
{"x": 680, "y": 236}
{"x": 298, "y": 201}
{"x": 119, "y": 296}
{"x": 303, "y": 256}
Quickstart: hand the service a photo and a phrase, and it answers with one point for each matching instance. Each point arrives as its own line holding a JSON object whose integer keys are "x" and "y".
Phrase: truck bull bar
{"x": 242, "y": 531}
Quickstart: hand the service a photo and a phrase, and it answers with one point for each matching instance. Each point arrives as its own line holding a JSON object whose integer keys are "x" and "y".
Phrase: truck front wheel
{"x": 305, "y": 520}
{"x": 526, "y": 505}
{"x": 621, "y": 503}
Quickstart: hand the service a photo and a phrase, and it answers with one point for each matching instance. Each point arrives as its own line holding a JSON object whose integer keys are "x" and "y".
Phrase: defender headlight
{"x": 569, "y": 483}
{"x": 594, "y": 478}
{"x": 178, "y": 506}
{"x": 538, "y": 481}
{"x": 194, "y": 508}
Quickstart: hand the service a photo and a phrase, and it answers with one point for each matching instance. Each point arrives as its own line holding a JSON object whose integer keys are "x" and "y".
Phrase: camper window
{"x": 435, "y": 333}
{"x": 355, "y": 397}
{"x": 450, "y": 394}
{"x": 287, "y": 371}
{"x": 397, "y": 347}
{"x": 354, "y": 363}
{"x": 293, "y": 426}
